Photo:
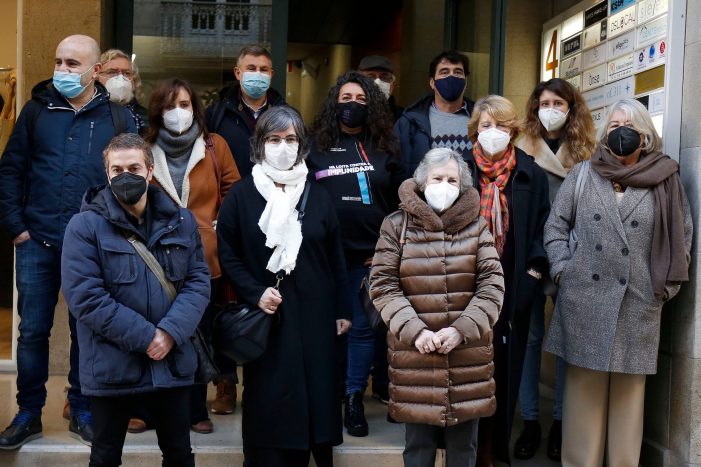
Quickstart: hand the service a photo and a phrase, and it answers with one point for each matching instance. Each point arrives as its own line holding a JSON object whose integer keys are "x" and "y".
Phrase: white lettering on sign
{"x": 594, "y": 78}
{"x": 573, "y": 25}
{"x": 621, "y": 22}
{"x": 620, "y": 90}
{"x": 600, "y": 116}
{"x": 621, "y": 67}
{"x": 593, "y": 57}
{"x": 652, "y": 31}
{"x": 576, "y": 82}
{"x": 648, "y": 9}
{"x": 651, "y": 56}
{"x": 621, "y": 45}
{"x": 618, "y": 5}
{"x": 571, "y": 67}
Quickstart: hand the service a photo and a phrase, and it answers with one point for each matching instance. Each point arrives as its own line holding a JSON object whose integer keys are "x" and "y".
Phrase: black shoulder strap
{"x": 217, "y": 116}
{"x": 303, "y": 206}
{"x": 402, "y": 235}
{"x": 117, "y": 118}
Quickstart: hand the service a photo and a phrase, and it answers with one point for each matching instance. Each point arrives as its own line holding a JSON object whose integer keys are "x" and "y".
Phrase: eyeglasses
{"x": 289, "y": 139}
{"x": 112, "y": 73}
{"x": 385, "y": 76}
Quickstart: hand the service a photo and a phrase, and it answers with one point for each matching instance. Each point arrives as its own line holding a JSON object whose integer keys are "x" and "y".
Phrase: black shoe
{"x": 80, "y": 427}
{"x": 528, "y": 442}
{"x": 24, "y": 427}
{"x": 555, "y": 441}
{"x": 354, "y": 419}
{"x": 381, "y": 393}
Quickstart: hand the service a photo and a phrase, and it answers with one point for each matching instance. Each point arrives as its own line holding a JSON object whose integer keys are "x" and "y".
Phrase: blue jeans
{"x": 529, "y": 394}
{"x": 38, "y": 272}
{"x": 361, "y": 338}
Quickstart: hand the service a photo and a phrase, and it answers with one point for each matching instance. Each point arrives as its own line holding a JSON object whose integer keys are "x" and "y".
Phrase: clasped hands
{"x": 160, "y": 345}
{"x": 441, "y": 341}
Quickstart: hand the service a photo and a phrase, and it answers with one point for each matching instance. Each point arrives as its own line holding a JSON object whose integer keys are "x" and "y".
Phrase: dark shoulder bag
{"x": 374, "y": 316}
{"x": 241, "y": 331}
{"x": 206, "y": 367}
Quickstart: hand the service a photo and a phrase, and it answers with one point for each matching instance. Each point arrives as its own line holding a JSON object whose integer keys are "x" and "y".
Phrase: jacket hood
{"x": 231, "y": 96}
{"x": 101, "y": 200}
{"x": 462, "y": 213}
{"x": 45, "y": 92}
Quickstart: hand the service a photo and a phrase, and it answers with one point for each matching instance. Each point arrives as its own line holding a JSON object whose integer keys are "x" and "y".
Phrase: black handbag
{"x": 240, "y": 331}
{"x": 374, "y": 316}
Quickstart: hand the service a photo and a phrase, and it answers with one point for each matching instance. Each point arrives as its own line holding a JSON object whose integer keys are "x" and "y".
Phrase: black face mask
{"x": 128, "y": 187}
{"x": 623, "y": 141}
{"x": 351, "y": 114}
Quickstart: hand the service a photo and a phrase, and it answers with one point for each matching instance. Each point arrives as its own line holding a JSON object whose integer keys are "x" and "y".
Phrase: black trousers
{"x": 270, "y": 457}
{"x": 171, "y": 417}
{"x": 460, "y": 443}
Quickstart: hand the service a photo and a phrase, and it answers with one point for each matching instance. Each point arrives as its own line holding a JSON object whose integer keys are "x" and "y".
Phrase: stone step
{"x": 382, "y": 448}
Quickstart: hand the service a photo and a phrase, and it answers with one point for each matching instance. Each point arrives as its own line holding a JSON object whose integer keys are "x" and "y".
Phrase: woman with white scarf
{"x": 290, "y": 265}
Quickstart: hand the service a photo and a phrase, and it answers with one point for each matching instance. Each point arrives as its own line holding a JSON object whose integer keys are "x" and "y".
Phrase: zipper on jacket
{"x": 92, "y": 127}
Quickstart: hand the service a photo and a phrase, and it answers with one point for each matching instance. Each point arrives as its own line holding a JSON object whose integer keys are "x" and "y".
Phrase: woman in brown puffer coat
{"x": 438, "y": 283}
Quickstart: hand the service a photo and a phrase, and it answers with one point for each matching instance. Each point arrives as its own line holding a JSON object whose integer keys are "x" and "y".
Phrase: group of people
{"x": 456, "y": 217}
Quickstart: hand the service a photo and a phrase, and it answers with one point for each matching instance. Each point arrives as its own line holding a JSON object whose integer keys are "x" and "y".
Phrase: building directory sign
{"x": 609, "y": 50}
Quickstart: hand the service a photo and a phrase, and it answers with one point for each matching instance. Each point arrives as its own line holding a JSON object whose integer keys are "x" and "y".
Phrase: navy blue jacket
{"x": 413, "y": 129}
{"x": 52, "y": 157}
{"x": 118, "y": 302}
{"x": 236, "y": 123}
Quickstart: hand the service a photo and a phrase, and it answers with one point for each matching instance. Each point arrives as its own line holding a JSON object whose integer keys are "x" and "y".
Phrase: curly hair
{"x": 379, "y": 125}
{"x": 578, "y": 133}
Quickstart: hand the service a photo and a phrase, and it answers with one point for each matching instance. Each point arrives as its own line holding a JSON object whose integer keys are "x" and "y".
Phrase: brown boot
{"x": 225, "y": 402}
{"x": 66, "y": 406}
{"x": 136, "y": 425}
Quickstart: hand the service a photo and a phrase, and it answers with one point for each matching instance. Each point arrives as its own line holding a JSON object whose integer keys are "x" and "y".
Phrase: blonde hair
{"x": 639, "y": 118}
{"x": 111, "y": 54}
{"x": 500, "y": 109}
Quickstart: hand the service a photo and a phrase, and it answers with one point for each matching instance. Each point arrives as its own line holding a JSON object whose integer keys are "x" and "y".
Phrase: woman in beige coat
{"x": 438, "y": 283}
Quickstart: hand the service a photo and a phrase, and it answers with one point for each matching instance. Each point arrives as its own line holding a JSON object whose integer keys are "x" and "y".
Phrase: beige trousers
{"x": 602, "y": 414}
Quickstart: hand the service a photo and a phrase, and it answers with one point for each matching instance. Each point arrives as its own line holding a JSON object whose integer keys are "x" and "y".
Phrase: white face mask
{"x": 552, "y": 119}
{"x": 177, "y": 120}
{"x": 281, "y": 156}
{"x": 441, "y": 196}
{"x": 493, "y": 140}
{"x": 386, "y": 88}
{"x": 120, "y": 88}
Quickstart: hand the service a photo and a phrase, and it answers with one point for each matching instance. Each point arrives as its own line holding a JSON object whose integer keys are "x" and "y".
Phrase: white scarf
{"x": 279, "y": 223}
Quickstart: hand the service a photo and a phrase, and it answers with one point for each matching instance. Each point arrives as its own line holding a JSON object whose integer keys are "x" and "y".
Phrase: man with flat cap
{"x": 380, "y": 70}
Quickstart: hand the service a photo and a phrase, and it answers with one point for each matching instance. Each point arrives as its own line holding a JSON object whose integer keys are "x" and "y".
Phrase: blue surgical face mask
{"x": 255, "y": 84}
{"x": 68, "y": 84}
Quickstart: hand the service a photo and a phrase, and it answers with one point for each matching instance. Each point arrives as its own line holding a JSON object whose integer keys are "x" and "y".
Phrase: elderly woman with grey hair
{"x": 438, "y": 283}
{"x": 280, "y": 246}
{"x": 634, "y": 230}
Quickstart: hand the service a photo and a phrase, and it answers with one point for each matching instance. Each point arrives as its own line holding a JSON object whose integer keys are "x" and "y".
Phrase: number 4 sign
{"x": 550, "y": 67}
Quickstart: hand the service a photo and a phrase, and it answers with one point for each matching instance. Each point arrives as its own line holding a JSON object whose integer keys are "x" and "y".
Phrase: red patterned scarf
{"x": 493, "y": 177}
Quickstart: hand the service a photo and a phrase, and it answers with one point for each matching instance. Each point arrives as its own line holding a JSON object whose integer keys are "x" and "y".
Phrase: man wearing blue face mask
{"x": 440, "y": 119}
{"x": 235, "y": 114}
{"x": 52, "y": 157}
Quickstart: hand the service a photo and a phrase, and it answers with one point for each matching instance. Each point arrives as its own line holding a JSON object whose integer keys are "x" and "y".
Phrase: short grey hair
{"x": 274, "y": 120}
{"x": 437, "y": 157}
{"x": 639, "y": 118}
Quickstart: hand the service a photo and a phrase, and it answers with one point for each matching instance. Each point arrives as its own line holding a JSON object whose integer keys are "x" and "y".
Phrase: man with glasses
{"x": 52, "y": 157}
{"x": 439, "y": 119}
{"x": 380, "y": 70}
{"x": 121, "y": 80}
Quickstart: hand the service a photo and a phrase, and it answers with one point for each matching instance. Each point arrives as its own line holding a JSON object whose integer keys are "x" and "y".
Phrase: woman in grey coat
{"x": 634, "y": 230}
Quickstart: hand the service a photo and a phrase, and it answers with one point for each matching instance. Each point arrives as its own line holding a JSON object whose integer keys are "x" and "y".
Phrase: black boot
{"x": 355, "y": 421}
{"x": 555, "y": 441}
{"x": 529, "y": 440}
